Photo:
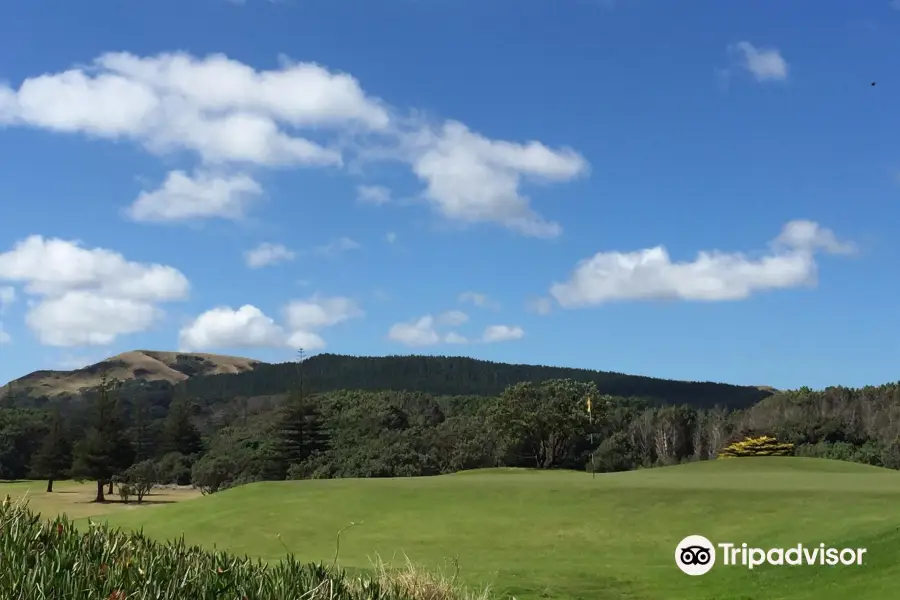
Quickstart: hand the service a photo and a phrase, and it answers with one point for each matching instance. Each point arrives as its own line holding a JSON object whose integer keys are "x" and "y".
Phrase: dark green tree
{"x": 54, "y": 458}
{"x": 301, "y": 432}
{"x": 106, "y": 450}
{"x": 543, "y": 424}
{"x": 179, "y": 432}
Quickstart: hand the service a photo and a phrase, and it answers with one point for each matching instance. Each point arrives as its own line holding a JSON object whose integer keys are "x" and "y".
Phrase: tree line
{"x": 387, "y": 433}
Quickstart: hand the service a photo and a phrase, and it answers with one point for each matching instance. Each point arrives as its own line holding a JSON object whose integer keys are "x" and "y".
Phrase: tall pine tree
{"x": 301, "y": 430}
{"x": 106, "y": 450}
{"x": 179, "y": 433}
{"x": 54, "y": 458}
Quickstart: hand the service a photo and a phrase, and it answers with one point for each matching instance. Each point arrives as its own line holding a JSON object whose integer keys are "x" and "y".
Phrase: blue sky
{"x": 704, "y": 193}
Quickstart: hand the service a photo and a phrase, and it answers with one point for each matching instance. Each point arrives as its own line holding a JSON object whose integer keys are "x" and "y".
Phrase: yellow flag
{"x": 589, "y": 404}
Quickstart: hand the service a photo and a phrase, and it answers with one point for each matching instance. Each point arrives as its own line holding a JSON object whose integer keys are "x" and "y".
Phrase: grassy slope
{"x": 563, "y": 535}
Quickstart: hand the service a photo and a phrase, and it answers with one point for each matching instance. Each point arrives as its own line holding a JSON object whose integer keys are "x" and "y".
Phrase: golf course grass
{"x": 565, "y": 535}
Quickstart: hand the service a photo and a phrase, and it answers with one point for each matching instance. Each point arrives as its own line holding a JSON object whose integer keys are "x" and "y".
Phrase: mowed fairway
{"x": 563, "y": 535}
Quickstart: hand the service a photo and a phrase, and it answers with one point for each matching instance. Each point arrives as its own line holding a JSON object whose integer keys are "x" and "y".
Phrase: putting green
{"x": 565, "y": 535}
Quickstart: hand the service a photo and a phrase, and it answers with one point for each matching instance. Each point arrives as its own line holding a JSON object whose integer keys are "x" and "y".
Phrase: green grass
{"x": 567, "y": 536}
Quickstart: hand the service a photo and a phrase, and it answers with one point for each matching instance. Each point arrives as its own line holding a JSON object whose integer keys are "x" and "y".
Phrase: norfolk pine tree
{"x": 179, "y": 433}
{"x": 54, "y": 458}
{"x": 106, "y": 450}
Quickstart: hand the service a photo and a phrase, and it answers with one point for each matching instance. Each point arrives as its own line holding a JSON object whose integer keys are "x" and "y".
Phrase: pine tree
{"x": 301, "y": 432}
{"x": 106, "y": 450}
{"x": 142, "y": 433}
{"x": 179, "y": 433}
{"x": 54, "y": 458}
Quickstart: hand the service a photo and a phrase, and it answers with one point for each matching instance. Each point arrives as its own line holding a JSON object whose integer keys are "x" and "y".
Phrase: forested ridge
{"x": 439, "y": 375}
{"x": 335, "y": 416}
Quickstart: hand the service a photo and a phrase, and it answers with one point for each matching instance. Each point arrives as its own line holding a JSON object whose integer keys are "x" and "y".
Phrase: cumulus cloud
{"x": 202, "y": 195}
{"x": 318, "y": 312}
{"x": 338, "y": 246}
{"x": 419, "y": 332}
{"x": 455, "y": 338}
{"x": 426, "y": 331}
{"x": 712, "y": 276}
{"x": 765, "y": 64}
{"x": 267, "y": 254}
{"x": 373, "y": 194}
{"x": 223, "y": 327}
{"x": 232, "y": 116}
{"x": 501, "y": 333}
{"x": 474, "y": 179}
{"x": 219, "y": 108}
{"x": 249, "y": 327}
{"x": 88, "y": 296}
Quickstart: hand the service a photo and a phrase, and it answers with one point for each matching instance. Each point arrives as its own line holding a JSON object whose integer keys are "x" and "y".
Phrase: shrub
{"x": 763, "y": 445}
{"x": 53, "y": 559}
{"x": 141, "y": 477}
{"x": 125, "y": 492}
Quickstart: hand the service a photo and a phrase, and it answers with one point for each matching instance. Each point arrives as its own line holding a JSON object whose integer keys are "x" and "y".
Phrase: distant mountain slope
{"x": 170, "y": 367}
{"x": 215, "y": 378}
{"x": 451, "y": 376}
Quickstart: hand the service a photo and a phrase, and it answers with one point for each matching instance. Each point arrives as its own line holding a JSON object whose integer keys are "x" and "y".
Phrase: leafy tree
{"x": 212, "y": 472}
{"x": 544, "y": 423}
{"x": 141, "y": 477}
{"x": 54, "y": 458}
{"x": 106, "y": 450}
{"x": 175, "y": 468}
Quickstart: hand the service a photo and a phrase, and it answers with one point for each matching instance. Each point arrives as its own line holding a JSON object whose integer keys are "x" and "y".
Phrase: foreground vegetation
{"x": 52, "y": 559}
{"x": 534, "y": 534}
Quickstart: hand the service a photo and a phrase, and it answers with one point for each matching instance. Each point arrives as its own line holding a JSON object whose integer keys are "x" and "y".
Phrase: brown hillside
{"x": 137, "y": 364}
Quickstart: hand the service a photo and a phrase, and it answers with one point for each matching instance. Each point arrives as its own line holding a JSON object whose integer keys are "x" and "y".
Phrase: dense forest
{"x": 302, "y": 420}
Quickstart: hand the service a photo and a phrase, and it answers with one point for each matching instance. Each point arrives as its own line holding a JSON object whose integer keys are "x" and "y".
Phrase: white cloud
{"x": 223, "y": 327}
{"x": 711, "y": 276}
{"x": 231, "y": 115}
{"x": 455, "y": 338}
{"x": 5, "y": 338}
{"x": 420, "y": 332}
{"x": 373, "y": 194}
{"x": 478, "y": 299}
{"x": 765, "y": 64}
{"x": 222, "y": 109}
{"x": 474, "y": 179}
{"x": 391, "y": 237}
{"x": 423, "y": 331}
{"x": 338, "y": 246}
{"x": 453, "y": 318}
{"x": 201, "y": 196}
{"x": 541, "y": 306}
{"x": 87, "y": 296}
{"x": 501, "y": 333}
{"x": 248, "y": 326}
{"x": 80, "y": 318}
{"x": 267, "y": 254}
{"x": 318, "y": 312}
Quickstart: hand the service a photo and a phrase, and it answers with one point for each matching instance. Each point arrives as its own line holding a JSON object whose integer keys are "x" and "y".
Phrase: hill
{"x": 564, "y": 535}
{"x": 208, "y": 375}
{"x": 146, "y": 365}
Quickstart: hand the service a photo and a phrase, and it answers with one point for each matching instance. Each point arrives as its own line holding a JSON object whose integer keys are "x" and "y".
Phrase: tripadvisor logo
{"x": 696, "y": 555}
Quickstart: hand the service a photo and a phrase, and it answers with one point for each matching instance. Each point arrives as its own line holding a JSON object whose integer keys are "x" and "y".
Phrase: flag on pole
{"x": 589, "y": 405}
